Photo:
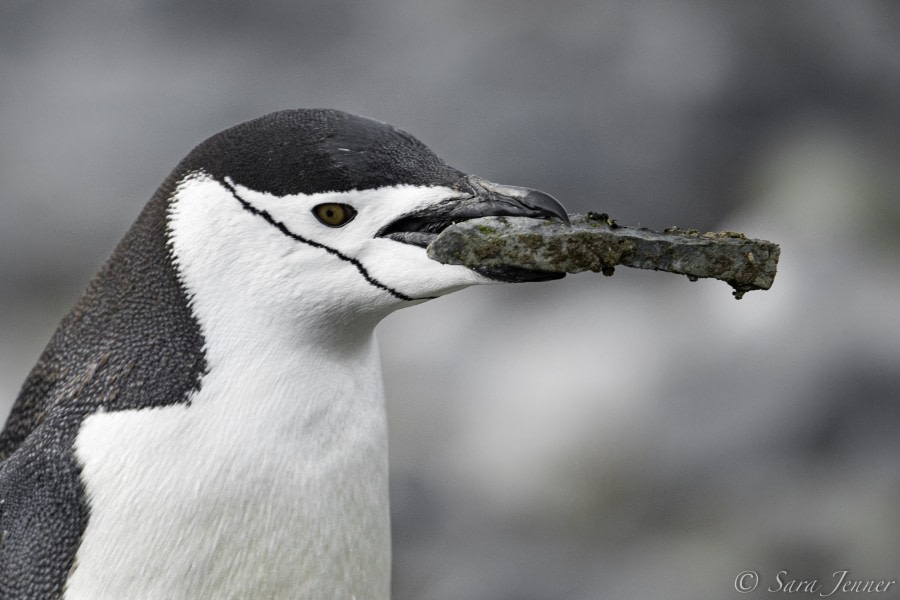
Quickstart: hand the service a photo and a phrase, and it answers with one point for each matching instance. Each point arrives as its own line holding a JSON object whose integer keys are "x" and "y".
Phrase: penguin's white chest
{"x": 271, "y": 484}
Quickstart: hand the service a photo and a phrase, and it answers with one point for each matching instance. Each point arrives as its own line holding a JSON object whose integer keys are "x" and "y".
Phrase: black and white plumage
{"x": 208, "y": 421}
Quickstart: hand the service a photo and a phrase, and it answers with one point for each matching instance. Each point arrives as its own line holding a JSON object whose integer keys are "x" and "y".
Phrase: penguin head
{"x": 325, "y": 209}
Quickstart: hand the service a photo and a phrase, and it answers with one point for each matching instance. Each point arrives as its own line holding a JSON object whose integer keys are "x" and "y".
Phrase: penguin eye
{"x": 333, "y": 214}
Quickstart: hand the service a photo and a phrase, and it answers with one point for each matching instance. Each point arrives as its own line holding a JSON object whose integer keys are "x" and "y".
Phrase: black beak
{"x": 482, "y": 199}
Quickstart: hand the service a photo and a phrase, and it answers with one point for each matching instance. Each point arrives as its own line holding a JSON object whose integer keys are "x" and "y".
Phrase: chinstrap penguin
{"x": 208, "y": 421}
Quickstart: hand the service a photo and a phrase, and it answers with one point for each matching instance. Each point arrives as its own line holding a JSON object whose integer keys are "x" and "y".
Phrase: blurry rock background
{"x": 634, "y": 437}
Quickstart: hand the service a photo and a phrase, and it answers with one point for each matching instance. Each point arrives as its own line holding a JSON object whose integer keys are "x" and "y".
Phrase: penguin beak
{"x": 482, "y": 199}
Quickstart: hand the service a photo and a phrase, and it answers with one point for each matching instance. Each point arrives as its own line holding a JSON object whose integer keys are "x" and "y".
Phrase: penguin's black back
{"x": 129, "y": 342}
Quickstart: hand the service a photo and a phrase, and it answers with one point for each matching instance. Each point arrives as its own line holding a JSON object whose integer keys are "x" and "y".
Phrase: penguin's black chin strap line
{"x": 265, "y": 216}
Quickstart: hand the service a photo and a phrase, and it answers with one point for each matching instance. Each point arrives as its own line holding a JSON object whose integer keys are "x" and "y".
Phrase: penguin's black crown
{"x": 317, "y": 150}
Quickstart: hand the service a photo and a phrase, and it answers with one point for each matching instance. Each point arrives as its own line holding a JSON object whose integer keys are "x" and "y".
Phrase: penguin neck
{"x": 291, "y": 375}
{"x": 296, "y": 410}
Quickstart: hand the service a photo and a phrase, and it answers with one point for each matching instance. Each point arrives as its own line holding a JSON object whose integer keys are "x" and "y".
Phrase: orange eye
{"x": 333, "y": 214}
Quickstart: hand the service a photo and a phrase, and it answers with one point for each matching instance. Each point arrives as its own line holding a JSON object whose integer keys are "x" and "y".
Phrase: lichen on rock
{"x": 597, "y": 243}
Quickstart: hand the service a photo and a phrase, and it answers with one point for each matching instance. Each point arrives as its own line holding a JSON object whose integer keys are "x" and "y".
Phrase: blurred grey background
{"x": 638, "y": 436}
